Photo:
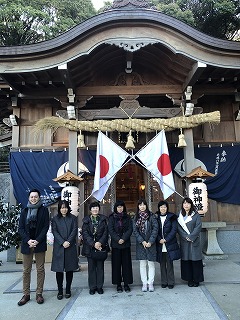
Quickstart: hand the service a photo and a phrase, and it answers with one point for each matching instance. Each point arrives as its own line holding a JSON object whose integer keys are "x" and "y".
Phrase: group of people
{"x": 156, "y": 240}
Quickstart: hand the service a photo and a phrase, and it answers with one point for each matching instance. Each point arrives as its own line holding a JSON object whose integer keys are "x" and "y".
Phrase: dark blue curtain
{"x": 36, "y": 170}
{"x": 88, "y": 158}
{"x": 224, "y": 162}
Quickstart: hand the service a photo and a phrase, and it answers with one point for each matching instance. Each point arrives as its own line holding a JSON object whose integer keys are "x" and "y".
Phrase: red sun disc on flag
{"x": 104, "y": 166}
{"x": 164, "y": 165}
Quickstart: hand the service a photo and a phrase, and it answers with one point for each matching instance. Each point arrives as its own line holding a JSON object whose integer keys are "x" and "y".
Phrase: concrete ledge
{"x": 212, "y": 248}
{"x": 215, "y": 257}
{"x": 212, "y": 225}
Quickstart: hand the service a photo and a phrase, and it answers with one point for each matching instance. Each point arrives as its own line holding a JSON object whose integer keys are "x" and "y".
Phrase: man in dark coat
{"x": 33, "y": 227}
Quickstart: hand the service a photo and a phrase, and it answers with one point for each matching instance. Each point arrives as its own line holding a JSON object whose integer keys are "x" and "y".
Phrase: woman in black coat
{"x": 95, "y": 236}
{"x": 120, "y": 229}
{"x": 64, "y": 229}
{"x": 167, "y": 245}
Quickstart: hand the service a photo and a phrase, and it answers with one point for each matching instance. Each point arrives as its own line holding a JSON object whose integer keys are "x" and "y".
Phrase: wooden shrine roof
{"x": 199, "y": 172}
{"x": 91, "y": 58}
{"x": 67, "y": 177}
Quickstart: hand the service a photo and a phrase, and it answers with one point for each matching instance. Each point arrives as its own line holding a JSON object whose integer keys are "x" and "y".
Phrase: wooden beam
{"x": 194, "y": 75}
{"x": 125, "y": 90}
{"x": 117, "y": 113}
{"x": 4, "y": 86}
{"x": 102, "y": 91}
{"x": 8, "y": 83}
{"x": 142, "y": 113}
{"x": 65, "y": 76}
{"x": 214, "y": 89}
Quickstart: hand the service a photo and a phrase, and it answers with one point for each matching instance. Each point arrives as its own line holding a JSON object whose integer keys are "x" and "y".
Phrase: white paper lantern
{"x": 72, "y": 195}
{"x": 198, "y": 194}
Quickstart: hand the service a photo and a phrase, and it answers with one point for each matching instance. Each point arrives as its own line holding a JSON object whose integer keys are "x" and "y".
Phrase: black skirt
{"x": 192, "y": 270}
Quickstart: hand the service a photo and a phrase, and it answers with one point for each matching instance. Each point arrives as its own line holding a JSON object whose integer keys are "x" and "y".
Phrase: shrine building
{"x": 127, "y": 64}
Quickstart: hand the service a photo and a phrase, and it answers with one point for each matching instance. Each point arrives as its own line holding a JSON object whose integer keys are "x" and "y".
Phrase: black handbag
{"x": 99, "y": 254}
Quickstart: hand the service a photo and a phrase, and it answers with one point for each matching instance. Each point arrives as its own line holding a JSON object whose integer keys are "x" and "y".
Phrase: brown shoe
{"x": 24, "y": 300}
{"x": 39, "y": 298}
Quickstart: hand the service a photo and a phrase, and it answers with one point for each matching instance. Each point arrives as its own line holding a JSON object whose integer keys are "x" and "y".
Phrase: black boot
{"x": 69, "y": 277}
{"x": 60, "y": 294}
{"x": 59, "y": 278}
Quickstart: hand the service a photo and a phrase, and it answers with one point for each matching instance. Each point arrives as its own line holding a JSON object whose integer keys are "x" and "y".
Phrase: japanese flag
{"x": 109, "y": 160}
{"x": 155, "y": 158}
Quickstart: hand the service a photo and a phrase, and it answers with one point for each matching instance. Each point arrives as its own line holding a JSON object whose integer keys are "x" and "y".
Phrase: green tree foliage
{"x": 9, "y": 218}
{"x": 105, "y": 6}
{"x": 25, "y": 23}
{"x": 173, "y": 9}
{"x": 4, "y": 153}
{"x": 218, "y": 18}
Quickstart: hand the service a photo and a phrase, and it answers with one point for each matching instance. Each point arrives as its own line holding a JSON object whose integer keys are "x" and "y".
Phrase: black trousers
{"x": 167, "y": 271}
{"x": 95, "y": 273}
{"x": 192, "y": 270}
{"x": 69, "y": 278}
{"x": 121, "y": 266}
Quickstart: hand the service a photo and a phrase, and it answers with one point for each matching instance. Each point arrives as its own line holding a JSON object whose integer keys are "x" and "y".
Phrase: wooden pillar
{"x": 16, "y": 129}
{"x": 73, "y": 161}
{"x": 81, "y": 208}
{"x": 189, "y": 156}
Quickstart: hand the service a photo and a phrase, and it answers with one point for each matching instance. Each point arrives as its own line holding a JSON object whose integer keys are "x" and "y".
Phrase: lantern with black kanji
{"x": 197, "y": 190}
{"x": 70, "y": 193}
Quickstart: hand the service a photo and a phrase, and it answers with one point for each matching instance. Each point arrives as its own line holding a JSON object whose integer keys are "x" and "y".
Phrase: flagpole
{"x": 143, "y": 165}
{"x": 131, "y": 157}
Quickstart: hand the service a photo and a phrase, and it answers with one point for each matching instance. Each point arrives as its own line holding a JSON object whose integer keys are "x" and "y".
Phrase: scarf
{"x": 95, "y": 221}
{"x": 32, "y": 213}
{"x": 183, "y": 222}
{"x": 119, "y": 220}
{"x": 143, "y": 216}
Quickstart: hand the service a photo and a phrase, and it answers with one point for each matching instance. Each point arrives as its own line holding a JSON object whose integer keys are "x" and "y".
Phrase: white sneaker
{"x": 150, "y": 287}
{"x": 144, "y": 288}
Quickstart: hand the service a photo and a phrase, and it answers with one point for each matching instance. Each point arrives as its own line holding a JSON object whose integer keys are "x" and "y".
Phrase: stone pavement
{"x": 217, "y": 298}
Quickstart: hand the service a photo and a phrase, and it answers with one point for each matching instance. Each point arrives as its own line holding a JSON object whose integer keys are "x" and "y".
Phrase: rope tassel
{"x": 181, "y": 140}
{"x": 130, "y": 141}
{"x": 81, "y": 143}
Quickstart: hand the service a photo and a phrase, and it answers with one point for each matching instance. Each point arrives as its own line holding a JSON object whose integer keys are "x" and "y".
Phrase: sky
{"x": 98, "y": 3}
